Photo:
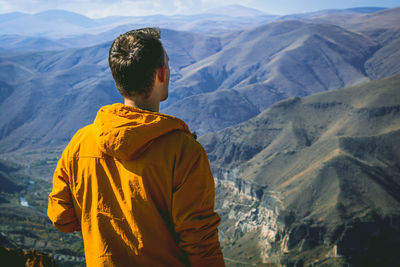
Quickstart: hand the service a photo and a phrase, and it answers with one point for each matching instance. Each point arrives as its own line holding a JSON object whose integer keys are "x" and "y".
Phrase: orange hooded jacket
{"x": 139, "y": 187}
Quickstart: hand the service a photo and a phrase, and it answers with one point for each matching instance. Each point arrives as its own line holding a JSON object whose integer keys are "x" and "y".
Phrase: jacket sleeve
{"x": 193, "y": 213}
{"x": 60, "y": 208}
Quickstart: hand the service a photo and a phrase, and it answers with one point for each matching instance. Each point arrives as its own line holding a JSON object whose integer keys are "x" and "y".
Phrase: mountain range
{"x": 320, "y": 177}
{"x": 57, "y": 23}
{"x": 243, "y": 72}
{"x": 299, "y": 115}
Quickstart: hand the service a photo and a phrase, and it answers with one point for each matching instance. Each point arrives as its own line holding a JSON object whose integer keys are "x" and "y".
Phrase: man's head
{"x": 135, "y": 59}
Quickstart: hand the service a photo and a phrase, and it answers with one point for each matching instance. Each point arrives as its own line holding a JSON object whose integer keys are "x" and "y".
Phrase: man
{"x": 135, "y": 182}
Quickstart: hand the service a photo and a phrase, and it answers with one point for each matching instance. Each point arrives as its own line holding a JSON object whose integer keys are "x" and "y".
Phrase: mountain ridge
{"x": 305, "y": 59}
{"x": 333, "y": 160}
{"x": 234, "y": 11}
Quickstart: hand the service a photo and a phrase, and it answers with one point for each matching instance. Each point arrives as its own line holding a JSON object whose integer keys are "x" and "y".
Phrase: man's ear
{"x": 161, "y": 74}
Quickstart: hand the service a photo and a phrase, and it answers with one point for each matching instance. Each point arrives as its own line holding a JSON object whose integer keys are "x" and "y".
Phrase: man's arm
{"x": 193, "y": 212}
{"x": 60, "y": 208}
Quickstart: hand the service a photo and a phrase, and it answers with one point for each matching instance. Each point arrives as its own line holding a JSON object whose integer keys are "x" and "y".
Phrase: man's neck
{"x": 142, "y": 105}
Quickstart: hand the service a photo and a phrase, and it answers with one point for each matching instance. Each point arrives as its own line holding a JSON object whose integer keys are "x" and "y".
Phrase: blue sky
{"x": 102, "y": 8}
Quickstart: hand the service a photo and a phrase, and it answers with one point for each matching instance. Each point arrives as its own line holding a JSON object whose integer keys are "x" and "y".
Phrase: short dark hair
{"x": 134, "y": 58}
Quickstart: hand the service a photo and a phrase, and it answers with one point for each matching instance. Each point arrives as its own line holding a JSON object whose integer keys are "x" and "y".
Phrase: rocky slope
{"x": 266, "y": 64}
{"x": 383, "y": 27}
{"x": 314, "y": 180}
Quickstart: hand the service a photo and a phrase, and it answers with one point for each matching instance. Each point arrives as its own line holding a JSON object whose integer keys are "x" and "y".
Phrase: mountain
{"x": 313, "y": 180}
{"x": 385, "y": 61}
{"x": 56, "y": 92}
{"x": 269, "y": 63}
{"x": 13, "y": 42}
{"x": 11, "y": 16}
{"x": 235, "y": 11}
{"x": 307, "y": 47}
{"x": 333, "y": 13}
{"x": 65, "y": 24}
{"x": 215, "y": 22}
{"x": 384, "y": 28}
{"x": 226, "y": 19}
{"x": 51, "y": 23}
{"x": 383, "y": 19}
{"x": 365, "y": 10}
{"x": 282, "y": 59}
{"x": 69, "y": 17}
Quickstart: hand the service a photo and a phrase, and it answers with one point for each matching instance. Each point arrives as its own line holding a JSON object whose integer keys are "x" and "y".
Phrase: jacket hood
{"x": 124, "y": 132}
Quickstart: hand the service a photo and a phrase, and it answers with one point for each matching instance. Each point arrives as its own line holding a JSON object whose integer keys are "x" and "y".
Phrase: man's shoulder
{"x": 83, "y": 140}
{"x": 181, "y": 140}
{"x": 82, "y": 133}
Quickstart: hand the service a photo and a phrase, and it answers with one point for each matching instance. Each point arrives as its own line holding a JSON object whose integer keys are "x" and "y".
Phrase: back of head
{"x": 134, "y": 58}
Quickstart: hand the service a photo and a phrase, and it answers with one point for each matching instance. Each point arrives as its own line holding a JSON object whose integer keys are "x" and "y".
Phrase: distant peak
{"x": 235, "y": 11}
{"x": 59, "y": 12}
{"x": 67, "y": 16}
{"x": 365, "y": 10}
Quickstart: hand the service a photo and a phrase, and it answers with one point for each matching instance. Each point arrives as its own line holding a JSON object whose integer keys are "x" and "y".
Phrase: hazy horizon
{"x": 104, "y": 8}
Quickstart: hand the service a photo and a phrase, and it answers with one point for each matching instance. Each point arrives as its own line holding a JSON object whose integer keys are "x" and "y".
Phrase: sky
{"x": 103, "y": 8}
